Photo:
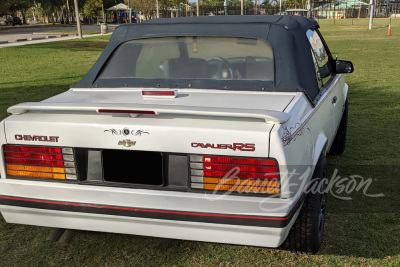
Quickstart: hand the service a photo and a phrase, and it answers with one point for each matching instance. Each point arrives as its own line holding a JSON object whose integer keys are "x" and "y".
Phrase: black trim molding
{"x": 261, "y": 221}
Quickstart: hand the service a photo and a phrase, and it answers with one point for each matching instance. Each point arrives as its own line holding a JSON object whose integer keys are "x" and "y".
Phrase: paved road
{"x": 13, "y": 33}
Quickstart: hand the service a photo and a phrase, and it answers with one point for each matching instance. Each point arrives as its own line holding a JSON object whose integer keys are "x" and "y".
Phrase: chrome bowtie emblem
{"x": 126, "y": 143}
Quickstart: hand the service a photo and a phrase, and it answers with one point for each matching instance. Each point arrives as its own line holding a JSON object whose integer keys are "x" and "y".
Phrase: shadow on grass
{"x": 365, "y": 225}
{"x": 363, "y": 221}
{"x": 76, "y": 45}
{"x": 362, "y": 235}
{"x": 16, "y": 84}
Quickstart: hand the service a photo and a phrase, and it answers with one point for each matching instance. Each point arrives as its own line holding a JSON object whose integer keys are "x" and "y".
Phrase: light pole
{"x": 130, "y": 11}
{"x": 102, "y": 9}
{"x": 241, "y": 7}
{"x": 158, "y": 11}
{"x": 198, "y": 8}
{"x": 371, "y": 13}
{"x": 387, "y": 7}
{"x": 78, "y": 21}
{"x": 67, "y": 20}
{"x": 225, "y": 7}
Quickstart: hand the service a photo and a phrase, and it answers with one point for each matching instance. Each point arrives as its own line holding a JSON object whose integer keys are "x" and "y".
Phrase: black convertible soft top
{"x": 294, "y": 67}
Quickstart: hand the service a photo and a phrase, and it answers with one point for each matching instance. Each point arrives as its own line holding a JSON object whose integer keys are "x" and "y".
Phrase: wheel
{"x": 307, "y": 232}
{"x": 339, "y": 143}
{"x": 223, "y": 70}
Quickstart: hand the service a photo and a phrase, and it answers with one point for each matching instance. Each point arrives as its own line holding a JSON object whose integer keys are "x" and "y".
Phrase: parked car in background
{"x": 212, "y": 129}
{"x": 12, "y": 21}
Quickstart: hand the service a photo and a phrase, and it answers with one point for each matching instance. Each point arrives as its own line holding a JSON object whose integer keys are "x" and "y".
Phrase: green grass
{"x": 359, "y": 22}
{"x": 69, "y": 32}
{"x": 364, "y": 231}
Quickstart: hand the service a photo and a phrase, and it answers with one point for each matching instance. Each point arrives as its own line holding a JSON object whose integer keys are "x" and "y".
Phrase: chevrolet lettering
{"x": 36, "y": 138}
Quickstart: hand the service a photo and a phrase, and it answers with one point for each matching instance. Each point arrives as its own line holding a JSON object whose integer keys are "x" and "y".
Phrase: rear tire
{"x": 307, "y": 232}
{"x": 339, "y": 143}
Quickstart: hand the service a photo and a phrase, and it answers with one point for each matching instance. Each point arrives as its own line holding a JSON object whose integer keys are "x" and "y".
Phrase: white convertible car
{"x": 212, "y": 129}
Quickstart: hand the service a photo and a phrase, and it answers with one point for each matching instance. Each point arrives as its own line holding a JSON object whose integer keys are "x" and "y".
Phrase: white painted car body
{"x": 285, "y": 126}
{"x": 305, "y": 139}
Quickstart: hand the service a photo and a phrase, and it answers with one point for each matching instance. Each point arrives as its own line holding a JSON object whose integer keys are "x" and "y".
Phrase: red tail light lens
{"x": 41, "y": 156}
{"x": 259, "y": 176}
{"x": 34, "y": 149}
{"x": 40, "y": 162}
{"x": 239, "y": 161}
{"x": 244, "y": 175}
{"x": 159, "y": 93}
{"x": 243, "y": 168}
{"x": 144, "y": 112}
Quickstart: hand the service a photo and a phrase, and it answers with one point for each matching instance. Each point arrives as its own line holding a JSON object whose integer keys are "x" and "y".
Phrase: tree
{"x": 110, "y": 3}
{"x": 212, "y": 3}
{"x": 172, "y": 3}
{"x": 3, "y": 8}
{"x": 51, "y": 8}
{"x": 92, "y": 8}
{"x": 147, "y": 7}
{"x": 165, "y": 5}
{"x": 292, "y": 4}
{"x": 237, "y": 3}
{"x": 14, "y": 6}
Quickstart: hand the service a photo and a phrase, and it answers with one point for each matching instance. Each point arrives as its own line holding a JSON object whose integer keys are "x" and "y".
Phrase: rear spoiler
{"x": 268, "y": 115}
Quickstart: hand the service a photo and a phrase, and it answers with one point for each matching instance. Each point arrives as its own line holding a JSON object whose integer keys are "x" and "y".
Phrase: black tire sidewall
{"x": 305, "y": 236}
{"x": 314, "y": 203}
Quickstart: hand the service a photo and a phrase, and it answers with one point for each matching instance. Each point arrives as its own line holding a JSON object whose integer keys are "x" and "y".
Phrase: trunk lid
{"x": 225, "y": 122}
{"x": 185, "y": 97}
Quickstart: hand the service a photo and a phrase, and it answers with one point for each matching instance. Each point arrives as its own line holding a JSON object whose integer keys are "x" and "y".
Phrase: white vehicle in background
{"x": 211, "y": 129}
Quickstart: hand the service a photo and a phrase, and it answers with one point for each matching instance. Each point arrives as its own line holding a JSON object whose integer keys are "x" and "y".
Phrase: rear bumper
{"x": 231, "y": 234}
{"x": 178, "y": 215}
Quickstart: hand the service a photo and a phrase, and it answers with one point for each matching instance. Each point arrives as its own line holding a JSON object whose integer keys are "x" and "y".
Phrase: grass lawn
{"x": 71, "y": 32}
{"x": 359, "y": 22}
{"x": 362, "y": 231}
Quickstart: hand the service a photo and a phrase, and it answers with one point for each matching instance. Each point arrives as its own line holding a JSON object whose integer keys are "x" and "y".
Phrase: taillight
{"x": 39, "y": 162}
{"x": 152, "y": 93}
{"x": 124, "y": 111}
{"x": 234, "y": 174}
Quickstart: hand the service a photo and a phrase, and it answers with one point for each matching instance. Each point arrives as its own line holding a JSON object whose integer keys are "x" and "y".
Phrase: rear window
{"x": 200, "y": 58}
